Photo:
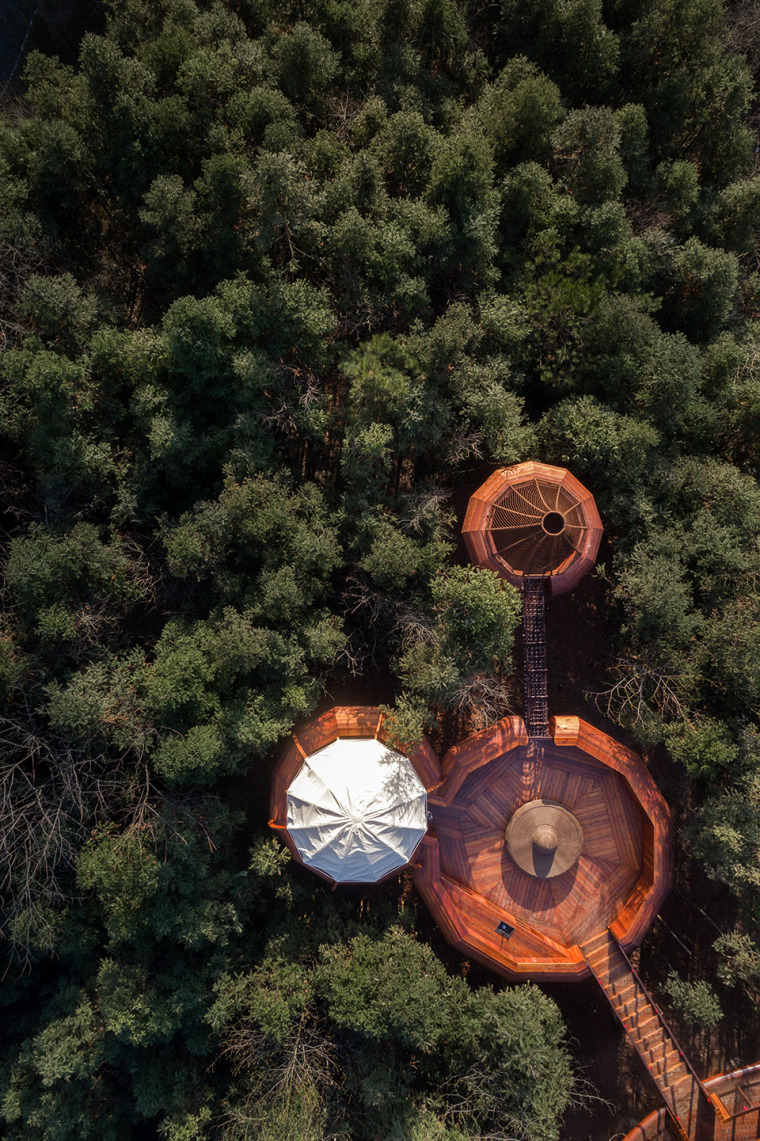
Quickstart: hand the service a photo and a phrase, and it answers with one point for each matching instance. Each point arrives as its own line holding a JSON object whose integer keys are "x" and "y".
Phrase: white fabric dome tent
{"x": 356, "y": 810}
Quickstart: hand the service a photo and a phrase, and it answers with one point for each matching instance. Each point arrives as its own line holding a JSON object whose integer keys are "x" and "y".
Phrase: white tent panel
{"x": 356, "y": 810}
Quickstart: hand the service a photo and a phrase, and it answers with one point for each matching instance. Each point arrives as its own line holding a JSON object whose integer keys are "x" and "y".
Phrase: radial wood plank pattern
{"x": 473, "y": 852}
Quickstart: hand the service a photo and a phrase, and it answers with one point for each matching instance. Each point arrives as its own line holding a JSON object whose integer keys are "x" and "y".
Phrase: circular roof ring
{"x": 544, "y": 839}
{"x": 553, "y": 523}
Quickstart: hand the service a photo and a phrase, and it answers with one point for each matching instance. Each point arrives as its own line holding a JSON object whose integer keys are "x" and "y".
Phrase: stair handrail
{"x": 665, "y": 1024}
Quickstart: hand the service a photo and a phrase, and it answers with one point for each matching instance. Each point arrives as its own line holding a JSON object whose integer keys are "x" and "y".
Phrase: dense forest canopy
{"x": 277, "y": 278}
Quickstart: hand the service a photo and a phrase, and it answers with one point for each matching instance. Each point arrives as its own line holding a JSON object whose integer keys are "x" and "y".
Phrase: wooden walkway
{"x": 736, "y": 1094}
{"x": 534, "y": 657}
{"x": 691, "y": 1108}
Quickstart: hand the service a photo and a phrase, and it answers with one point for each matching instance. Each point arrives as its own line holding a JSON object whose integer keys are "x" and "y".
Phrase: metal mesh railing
{"x": 534, "y": 658}
{"x": 741, "y": 1098}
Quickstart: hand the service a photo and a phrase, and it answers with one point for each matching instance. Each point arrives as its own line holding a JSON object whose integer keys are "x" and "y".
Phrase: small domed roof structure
{"x": 356, "y": 810}
{"x": 349, "y": 807}
{"x": 533, "y": 520}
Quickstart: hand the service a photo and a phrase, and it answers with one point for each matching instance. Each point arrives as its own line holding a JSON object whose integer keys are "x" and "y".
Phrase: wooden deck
{"x": 570, "y": 907}
{"x": 471, "y": 884}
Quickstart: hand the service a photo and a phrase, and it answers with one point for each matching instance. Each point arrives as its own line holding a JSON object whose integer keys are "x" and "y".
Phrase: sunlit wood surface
{"x": 738, "y": 1093}
{"x": 471, "y": 884}
{"x": 479, "y": 539}
{"x": 569, "y": 907}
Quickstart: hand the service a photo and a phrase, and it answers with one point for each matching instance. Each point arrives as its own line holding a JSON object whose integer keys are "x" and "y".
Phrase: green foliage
{"x": 587, "y": 155}
{"x": 700, "y": 292}
{"x": 520, "y": 113}
{"x": 474, "y": 615}
{"x": 278, "y": 281}
{"x": 390, "y": 990}
{"x": 693, "y": 91}
{"x": 678, "y": 184}
{"x": 562, "y": 301}
{"x": 157, "y": 880}
{"x": 52, "y": 1090}
{"x": 704, "y": 749}
{"x": 740, "y": 959}
{"x": 571, "y": 40}
{"x": 58, "y": 310}
{"x": 104, "y": 704}
{"x": 496, "y": 412}
{"x": 726, "y": 830}
{"x": 607, "y": 447}
{"x": 513, "y": 1041}
{"x": 405, "y": 721}
{"x": 697, "y": 1002}
{"x": 59, "y": 580}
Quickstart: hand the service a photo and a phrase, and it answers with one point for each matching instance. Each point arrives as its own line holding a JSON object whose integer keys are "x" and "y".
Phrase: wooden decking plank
{"x": 487, "y": 814}
{"x": 580, "y": 787}
{"x": 481, "y": 795}
{"x": 481, "y": 782}
{"x": 626, "y": 822}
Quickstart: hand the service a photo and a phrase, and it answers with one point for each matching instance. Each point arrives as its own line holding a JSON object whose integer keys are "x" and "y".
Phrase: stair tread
{"x": 640, "y": 1017}
{"x": 670, "y": 1064}
{"x": 624, "y": 995}
{"x": 601, "y": 940}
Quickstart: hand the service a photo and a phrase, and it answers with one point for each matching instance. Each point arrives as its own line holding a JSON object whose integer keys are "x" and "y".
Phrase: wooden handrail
{"x": 664, "y": 1023}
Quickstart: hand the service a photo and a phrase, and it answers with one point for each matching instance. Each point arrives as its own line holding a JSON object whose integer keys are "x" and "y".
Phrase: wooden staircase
{"x": 691, "y": 1108}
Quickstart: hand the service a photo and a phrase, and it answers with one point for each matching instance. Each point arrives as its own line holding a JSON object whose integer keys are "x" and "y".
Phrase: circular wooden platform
{"x": 533, "y": 519}
{"x": 472, "y": 885}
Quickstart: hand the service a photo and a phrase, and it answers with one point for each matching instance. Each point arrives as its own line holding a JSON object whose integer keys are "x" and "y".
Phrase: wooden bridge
{"x": 534, "y": 657}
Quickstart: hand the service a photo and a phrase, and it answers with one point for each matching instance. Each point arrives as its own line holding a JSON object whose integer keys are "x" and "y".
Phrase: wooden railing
{"x": 665, "y": 1025}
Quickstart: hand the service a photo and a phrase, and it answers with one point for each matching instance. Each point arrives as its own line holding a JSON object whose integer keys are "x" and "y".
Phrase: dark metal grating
{"x": 515, "y": 527}
{"x": 740, "y": 1098}
{"x": 534, "y": 658}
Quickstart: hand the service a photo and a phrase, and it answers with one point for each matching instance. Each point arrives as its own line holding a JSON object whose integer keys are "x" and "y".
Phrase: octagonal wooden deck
{"x": 472, "y": 885}
{"x": 471, "y": 837}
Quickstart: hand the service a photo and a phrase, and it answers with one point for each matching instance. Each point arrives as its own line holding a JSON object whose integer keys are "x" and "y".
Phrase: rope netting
{"x": 536, "y": 526}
